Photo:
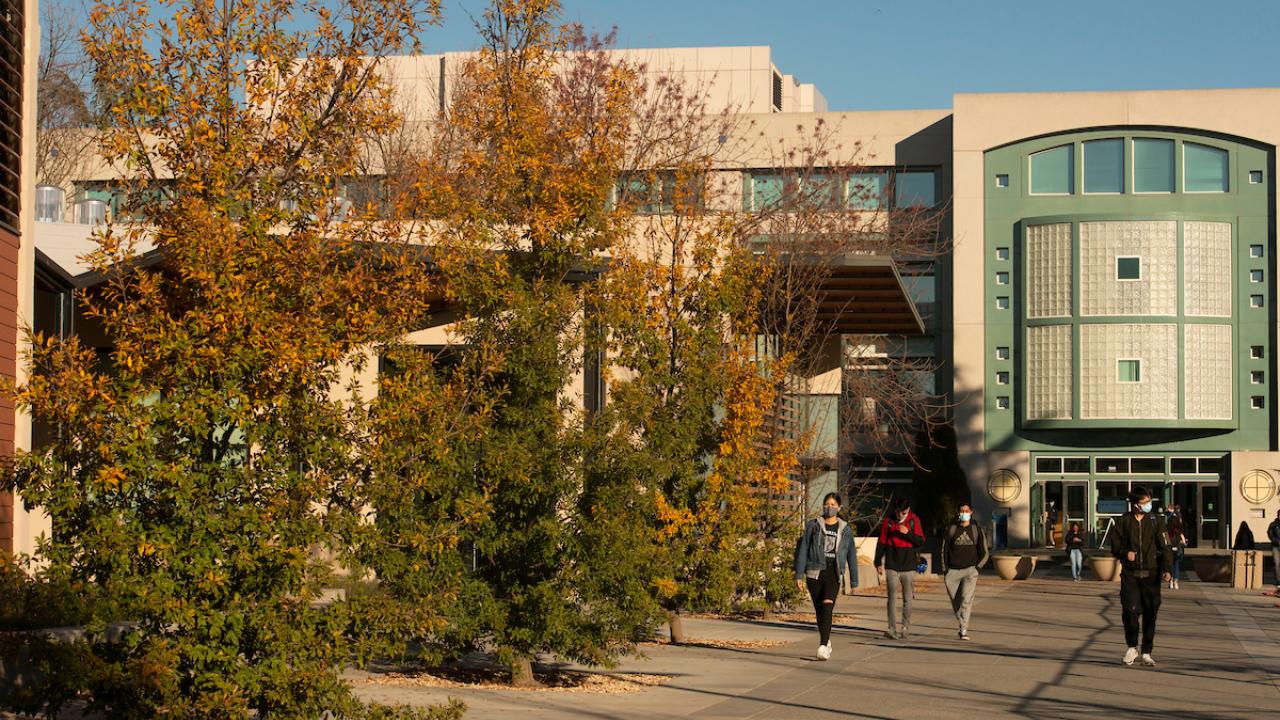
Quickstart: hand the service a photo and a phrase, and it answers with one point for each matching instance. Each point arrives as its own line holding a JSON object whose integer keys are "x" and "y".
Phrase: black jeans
{"x": 825, "y": 587}
{"x": 1140, "y": 598}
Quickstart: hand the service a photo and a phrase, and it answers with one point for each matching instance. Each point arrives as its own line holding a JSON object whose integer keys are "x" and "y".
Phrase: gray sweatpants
{"x": 961, "y": 585}
{"x": 906, "y": 582}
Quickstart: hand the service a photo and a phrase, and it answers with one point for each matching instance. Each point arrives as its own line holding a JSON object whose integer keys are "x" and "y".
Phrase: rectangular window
{"x": 1255, "y": 276}
{"x": 1002, "y": 181}
{"x": 1255, "y": 177}
{"x": 867, "y": 191}
{"x": 1002, "y": 253}
{"x": 1002, "y": 402}
{"x": 1152, "y": 165}
{"x": 1104, "y": 166}
{"x": 1257, "y": 377}
{"x": 1128, "y": 268}
{"x": 1053, "y": 171}
{"x": 1002, "y": 303}
{"x": 1002, "y": 278}
{"x": 1002, "y": 378}
{"x": 1128, "y": 370}
{"x": 1146, "y": 465}
{"x": 1210, "y": 466}
{"x": 1204, "y": 168}
{"x": 1256, "y": 402}
{"x": 1255, "y": 352}
{"x": 1050, "y": 465}
{"x": 1002, "y": 353}
{"x": 1075, "y": 465}
{"x": 1111, "y": 465}
{"x": 1255, "y": 301}
{"x": 1182, "y": 466}
{"x": 767, "y": 190}
{"x": 1255, "y": 251}
{"x": 915, "y": 189}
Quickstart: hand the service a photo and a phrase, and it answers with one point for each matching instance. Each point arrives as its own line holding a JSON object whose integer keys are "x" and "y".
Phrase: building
{"x": 1103, "y": 319}
{"x": 19, "y": 47}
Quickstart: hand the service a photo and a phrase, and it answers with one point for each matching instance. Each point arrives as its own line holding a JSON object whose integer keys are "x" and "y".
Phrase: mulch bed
{"x": 554, "y": 680}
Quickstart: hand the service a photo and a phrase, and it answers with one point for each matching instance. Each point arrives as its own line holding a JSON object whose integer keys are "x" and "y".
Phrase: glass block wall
{"x": 1104, "y": 396}
{"x": 1154, "y": 243}
{"x": 1207, "y": 272}
{"x": 1049, "y": 270}
{"x": 1049, "y": 369}
{"x": 1208, "y": 371}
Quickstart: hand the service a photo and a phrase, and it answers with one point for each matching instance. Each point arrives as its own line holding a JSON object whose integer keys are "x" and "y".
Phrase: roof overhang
{"x": 865, "y": 295}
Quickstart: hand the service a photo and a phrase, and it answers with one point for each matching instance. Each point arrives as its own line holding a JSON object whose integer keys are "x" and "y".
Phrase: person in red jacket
{"x": 897, "y": 554}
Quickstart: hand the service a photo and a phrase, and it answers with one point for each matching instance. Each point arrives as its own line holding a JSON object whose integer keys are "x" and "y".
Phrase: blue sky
{"x": 887, "y": 54}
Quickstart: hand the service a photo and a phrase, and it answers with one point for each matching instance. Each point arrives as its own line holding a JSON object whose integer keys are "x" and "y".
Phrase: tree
{"x": 64, "y": 105}
{"x": 202, "y": 477}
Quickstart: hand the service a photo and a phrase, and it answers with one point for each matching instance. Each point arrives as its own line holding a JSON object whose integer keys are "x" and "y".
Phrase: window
{"x": 1146, "y": 465}
{"x": 767, "y": 190}
{"x": 1128, "y": 370}
{"x": 1182, "y": 466}
{"x": 1152, "y": 165}
{"x": 1002, "y": 353}
{"x": 1050, "y": 465}
{"x": 1053, "y": 171}
{"x": 1255, "y": 177}
{"x": 1104, "y": 166}
{"x": 1002, "y": 402}
{"x": 1111, "y": 465}
{"x": 1002, "y": 378}
{"x": 1255, "y": 276}
{"x": 1002, "y": 181}
{"x": 658, "y": 193}
{"x": 1128, "y": 268}
{"x": 1256, "y": 402}
{"x": 867, "y": 191}
{"x": 914, "y": 188}
{"x": 1002, "y": 253}
{"x": 1255, "y": 301}
{"x": 1075, "y": 465}
{"x": 1257, "y": 377}
{"x": 1210, "y": 466}
{"x": 1204, "y": 168}
{"x": 1002, "y": 303}
{"x": 1002, "y": 278}
{"x": 1255, "y": 251}
{"x": 1255, "y": 352}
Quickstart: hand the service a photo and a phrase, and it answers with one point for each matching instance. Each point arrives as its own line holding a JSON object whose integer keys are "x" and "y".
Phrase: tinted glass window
{"x": 915, "y": 189}
{"x": 1048, "y": 465}
{"x": 1053, "y": 170}
{"x": 1104, "y": 166}
{"x": 1152, "y": 165}
{"x": 1204, "y": 168}
{"x": 866, "y": 191}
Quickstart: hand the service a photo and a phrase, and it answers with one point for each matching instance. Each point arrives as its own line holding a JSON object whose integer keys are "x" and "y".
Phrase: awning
{"x": 864, "y": 295}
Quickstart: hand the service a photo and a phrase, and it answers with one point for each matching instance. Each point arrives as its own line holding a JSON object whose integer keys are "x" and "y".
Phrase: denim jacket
{"x": 810, "y": 558}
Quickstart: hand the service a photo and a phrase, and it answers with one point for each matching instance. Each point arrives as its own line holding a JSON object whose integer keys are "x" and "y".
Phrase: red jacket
{"x": 898, "y": 550}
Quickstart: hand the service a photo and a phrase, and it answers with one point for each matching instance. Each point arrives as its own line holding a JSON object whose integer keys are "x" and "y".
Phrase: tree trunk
{"x": 522, "y": 673}
{"x": 676, "y": 622}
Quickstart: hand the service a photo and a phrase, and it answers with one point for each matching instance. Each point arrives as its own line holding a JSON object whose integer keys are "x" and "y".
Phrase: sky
{"x": 906, "y": 54}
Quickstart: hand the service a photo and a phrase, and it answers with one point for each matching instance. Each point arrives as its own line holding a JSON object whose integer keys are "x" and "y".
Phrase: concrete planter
{"x": 1212, "y": 568}
{"x": 1105, "y": 568}
{"x": 1014, "y": 567}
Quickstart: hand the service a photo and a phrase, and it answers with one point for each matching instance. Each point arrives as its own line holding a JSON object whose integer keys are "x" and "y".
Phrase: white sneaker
{"x": 1148, "y": 660}
{"x": 828, "y": 654}
{"x": 1130, "y": 655}
{"x": 1177, "y": 585}
{"x": 824, "y": 652}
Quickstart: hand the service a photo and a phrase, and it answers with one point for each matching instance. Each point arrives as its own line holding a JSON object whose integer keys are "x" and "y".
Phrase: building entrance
{"x": 1199, "y": 510}
{"x": 1059, "y": 503}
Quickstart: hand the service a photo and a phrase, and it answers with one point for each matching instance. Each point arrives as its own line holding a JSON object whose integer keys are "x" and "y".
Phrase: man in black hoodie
{"x": 1273, "y": 534}
{"x": 1140, "y": 543}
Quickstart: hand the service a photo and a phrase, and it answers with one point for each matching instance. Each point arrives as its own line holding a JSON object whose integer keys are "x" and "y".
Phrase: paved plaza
{"x": 1044, "y": 647}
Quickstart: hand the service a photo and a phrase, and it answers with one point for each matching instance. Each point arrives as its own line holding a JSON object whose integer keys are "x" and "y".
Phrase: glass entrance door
{"x": 1210, "y": 514}
{"x": 1075, "y": 508}
{"x": 1059, "y": 503}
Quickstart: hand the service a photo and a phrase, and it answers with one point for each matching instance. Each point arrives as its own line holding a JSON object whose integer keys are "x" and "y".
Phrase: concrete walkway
{"x": 1045, "y": 647}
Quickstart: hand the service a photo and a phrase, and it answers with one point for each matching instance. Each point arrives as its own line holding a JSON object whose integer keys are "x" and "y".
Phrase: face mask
{"x": 1145, "y": 507}
{"x": 964, "y": 517}
{"x": 829, "y": 512}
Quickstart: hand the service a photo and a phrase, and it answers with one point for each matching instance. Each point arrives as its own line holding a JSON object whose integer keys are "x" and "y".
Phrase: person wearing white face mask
{"x": 1141, "y": 543}
{"x": 964, "y": 552}
{"x": 825, "y": 552}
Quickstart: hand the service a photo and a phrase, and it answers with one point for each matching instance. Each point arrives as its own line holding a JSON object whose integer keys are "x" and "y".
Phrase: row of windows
{"x": 868, "y": 190}
{"x": 1140, "y": 165}
{"x": 1129, "y": 465}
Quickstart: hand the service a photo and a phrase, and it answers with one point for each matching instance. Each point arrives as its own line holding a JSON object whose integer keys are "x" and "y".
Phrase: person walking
{"x": 897, "y": 553}
{"x": 1273, "y": 534}
{"x": 826, "y": 551}
{"x": 1140, "y": 543}
{"x": 964, "y": 552}
{"x": 1075, "y": 548}
{"x": 1177, "y": 548}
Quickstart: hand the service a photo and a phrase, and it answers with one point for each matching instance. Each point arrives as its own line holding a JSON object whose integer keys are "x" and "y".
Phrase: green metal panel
{"x": 1009, "y": 209}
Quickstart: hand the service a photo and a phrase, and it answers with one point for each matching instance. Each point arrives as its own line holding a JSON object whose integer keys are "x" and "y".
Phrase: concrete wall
{"x": 1258, "y": 516}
